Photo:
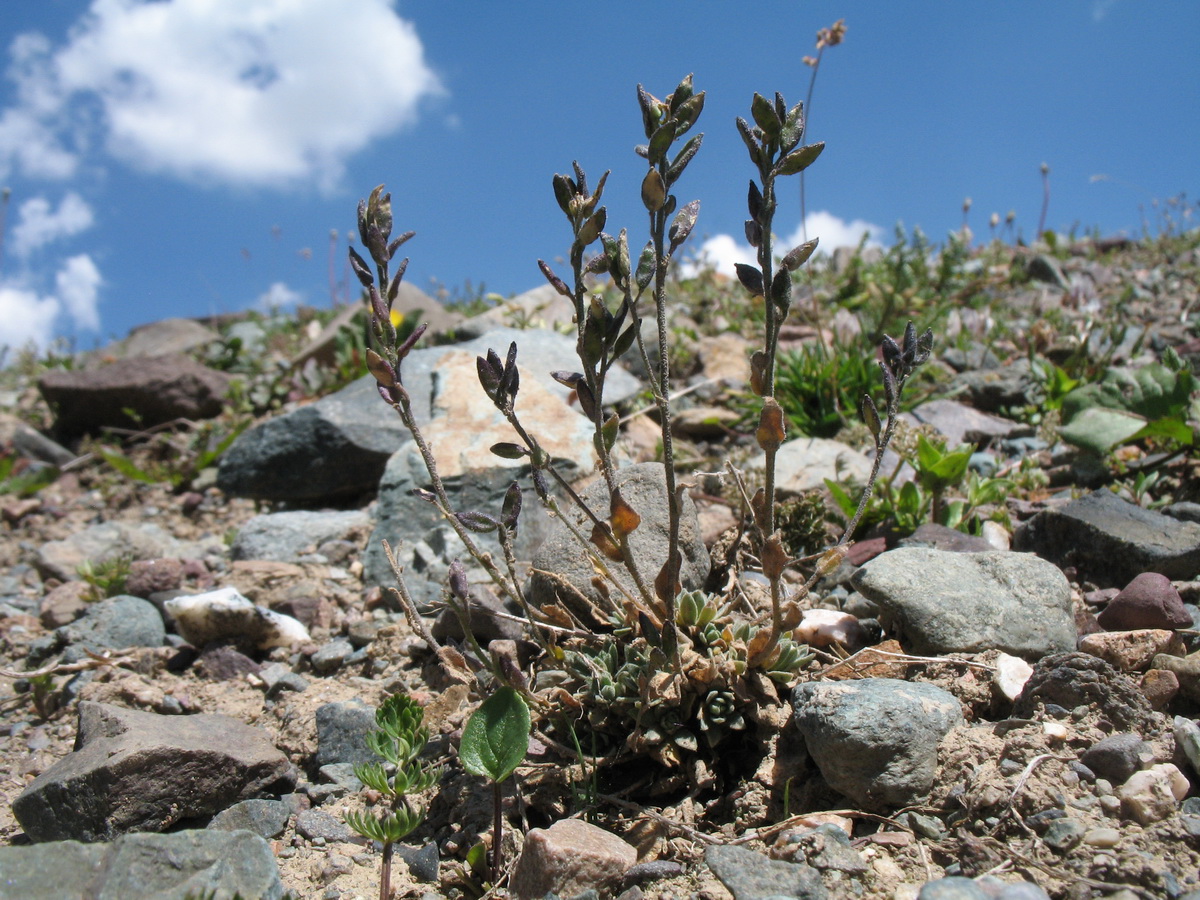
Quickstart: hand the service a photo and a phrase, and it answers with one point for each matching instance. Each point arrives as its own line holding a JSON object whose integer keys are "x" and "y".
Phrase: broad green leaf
{"x": 496, "y": 736}
{"x": 1099, "y": 429}
{"x": 1172, "y": 429}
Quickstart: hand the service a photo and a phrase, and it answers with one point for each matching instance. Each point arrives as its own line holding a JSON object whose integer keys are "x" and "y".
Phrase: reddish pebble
{"x": 1149, "y": 601}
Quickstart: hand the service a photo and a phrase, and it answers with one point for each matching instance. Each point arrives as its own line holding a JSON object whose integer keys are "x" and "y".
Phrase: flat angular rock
{"x": 114, "y": 624}
{"x": 186, "y": 864}
{"x": 339, "y": 446}
{"x": 465, "y": 425}
{"x": 138, "y": 771}
{"x": 103, "y": 542}
{"x": 342, "y": 730}
{"x": 165, "y": 337}
{"x": 946, "y": 602}
{"x": 286, "y": 536}
{"x": 1132, "y": 651}
{"x": 961, "y": 423}
{"x": 1111, "y": 541}
{"x": 876, "y": 739}
{"x": 752, "y": 876}
{"x": 568, "y": 857}
{"x": 157, "y": 389}
{"x": 804, "y": 463}
{"x": 30, "y": 443}
{"x": 644, "y": 488}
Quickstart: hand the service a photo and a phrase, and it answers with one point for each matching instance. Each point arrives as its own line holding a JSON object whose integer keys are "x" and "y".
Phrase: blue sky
{"x": 191, "y": 157}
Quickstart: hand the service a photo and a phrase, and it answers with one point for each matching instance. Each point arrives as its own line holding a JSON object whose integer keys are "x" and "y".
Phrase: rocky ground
{"x": 1009, "y": 713}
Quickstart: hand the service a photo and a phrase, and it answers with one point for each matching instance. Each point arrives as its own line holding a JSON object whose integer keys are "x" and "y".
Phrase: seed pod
{"x": 774, "y": 557}
{"x": 771, "y": 432}
{"x": 605, "y": 544}
{"x": 799, "y": 255}
{"x": 654, "y": 191}
{"x": 622, "y": 517}
{"x": 381, "y": 369}
{"x": 758, "y": 372}
{"x": 870, "y": 415}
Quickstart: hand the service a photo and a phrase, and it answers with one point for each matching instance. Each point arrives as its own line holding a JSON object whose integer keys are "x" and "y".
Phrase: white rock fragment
{"x": 997, "y": 535}
{"x": 1011, "y": 674}
{"x": 1055, "y": 731}
{"x": 1187, "y": 738}
{"x": 1153, "y": 794}
{"x": 823, "y": 627}
{"x": 225, "y": 613}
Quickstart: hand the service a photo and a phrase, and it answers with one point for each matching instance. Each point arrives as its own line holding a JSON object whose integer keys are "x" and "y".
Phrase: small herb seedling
{"x": 399, "y": 741}
{"x": 493, "y": 744}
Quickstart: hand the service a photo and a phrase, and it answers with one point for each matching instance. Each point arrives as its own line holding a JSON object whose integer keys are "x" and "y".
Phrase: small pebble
{"x": 1102, "y": 837}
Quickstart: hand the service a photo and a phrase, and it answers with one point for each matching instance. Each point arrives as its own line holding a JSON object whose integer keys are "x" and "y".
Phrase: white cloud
{"x": 39, "y": 224}
{"x": 721, "y": 252}
{"x": 28, "y": 316}
{"x": 251, "y": 92}
{"x": 78, "y": 283}
{"x": 278, "y": 296}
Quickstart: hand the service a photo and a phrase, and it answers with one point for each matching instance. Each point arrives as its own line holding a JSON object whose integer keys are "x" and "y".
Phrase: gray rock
{"x": 1064, "y": 835}
{"x": 267, "y": 818}
{"x": 644, "y": 488}
{"x": 339, "y": 446}
{"x": 332, "y": 656}
{"x": 32, "y": 444}
{"x": 994, "y": 389}
{"x": 286, "y": 536}
{"x": 342, "y": 730}
{"x": 424, "y": 863}
{"x": 804, "y": 463}
{"x": 752, "y": 876}
{"x": 961, "y": 423}
{"x": 826, "y": 847}
{"x": 1115, "y": 757}
{"x": 165, "y": 337}
{"x": 954, "y": 887}
{"x": 933, "y": 536}
{"x": 948, "y": 602}
{"x": 316, "y": 823}
{"x": 1111, "y": 541}
{"x": 1185, "y": 510}
{"x": 156, "y": 390}
{"x": 466, "y": 426}
{"x": 875, "y": 740}
{"x": 186, "y": 864}
{"x": 138, "y": 771}
{"x": 113, "y": 624}
{"x": 103, "y": 542}
{"x": 1046, "y": 268}
{"x": 279, "y": 677}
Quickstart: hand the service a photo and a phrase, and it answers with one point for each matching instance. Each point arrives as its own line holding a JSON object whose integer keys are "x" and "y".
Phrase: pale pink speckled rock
{"x": 569, "y": 857}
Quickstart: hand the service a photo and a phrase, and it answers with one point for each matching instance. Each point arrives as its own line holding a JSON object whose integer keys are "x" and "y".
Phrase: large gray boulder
{"x": 138, "y": 771}
{"x": 875, "y": 740}
{"x": 948, "y": 602}
{"x": 186, "y": 864}
{"x": 561, "y": 562}
{"x": 465, "y": 425}
{"x": 338, "y": 447}
{"x": 1110, "y": 541}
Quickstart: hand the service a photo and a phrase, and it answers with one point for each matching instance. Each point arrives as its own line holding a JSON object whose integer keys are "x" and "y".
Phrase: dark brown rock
{"x": 1077, "y": 679}
{"x": 150, "y": 576}
{"x": 1149, "y": 601}
{"x": 156, "y": 389}
{"x": 138, "y": 771}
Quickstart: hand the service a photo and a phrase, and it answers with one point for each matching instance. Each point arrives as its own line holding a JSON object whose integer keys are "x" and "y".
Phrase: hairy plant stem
{"x": 662, "y": 395}
{"x": 774, "y": 323}
{"x": 497, "y": 830}
{"x": 385, "y": 875}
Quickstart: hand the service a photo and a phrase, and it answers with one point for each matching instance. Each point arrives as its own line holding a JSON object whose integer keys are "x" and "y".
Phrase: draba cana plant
{"x": 398, "y": 740}
{"x": 669, "y": 673}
